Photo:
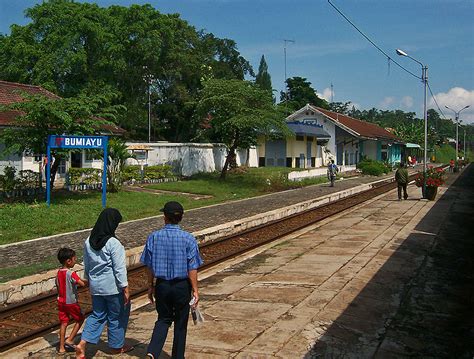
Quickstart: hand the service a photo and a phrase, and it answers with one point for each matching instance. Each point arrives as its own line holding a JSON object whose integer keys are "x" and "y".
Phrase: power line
{"x": 388, "y": 56}
{"x": 373, "y": 43}
{"x": 436, "y": 102}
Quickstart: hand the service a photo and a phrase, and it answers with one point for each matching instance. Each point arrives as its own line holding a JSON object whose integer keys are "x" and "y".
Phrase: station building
{"x": 322, "y": 135}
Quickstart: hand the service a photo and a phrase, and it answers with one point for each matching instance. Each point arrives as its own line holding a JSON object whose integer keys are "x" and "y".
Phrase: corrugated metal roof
{"x": 301, "y": 128}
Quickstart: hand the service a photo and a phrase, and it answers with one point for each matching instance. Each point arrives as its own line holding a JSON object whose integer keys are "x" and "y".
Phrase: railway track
{"x": 30, "y": 319}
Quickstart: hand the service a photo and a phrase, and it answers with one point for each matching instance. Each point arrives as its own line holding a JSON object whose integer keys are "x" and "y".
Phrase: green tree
{"x": 340, "y": 107}
{"x": 300, "y": 93}
{"x": 239, "y": 113}
{"x": 40, "y": 116}
{"x": 79, "y": 48}
{"x": 263, "y": 78}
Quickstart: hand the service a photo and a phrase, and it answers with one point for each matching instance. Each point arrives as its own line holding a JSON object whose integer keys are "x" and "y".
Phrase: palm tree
{"x": 117, "y": 156}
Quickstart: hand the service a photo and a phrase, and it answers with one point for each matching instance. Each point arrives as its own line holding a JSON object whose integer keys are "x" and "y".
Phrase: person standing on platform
{"x": 68, "y": 304}
{"x": 172, "y": 258}
{"x": 106, "y": 270}
{"x": 401, "y": 176}
{"x": 332, "y": 171}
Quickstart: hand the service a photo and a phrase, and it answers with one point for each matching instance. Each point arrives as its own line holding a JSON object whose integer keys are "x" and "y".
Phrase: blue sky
{"x": 439, "y": 33}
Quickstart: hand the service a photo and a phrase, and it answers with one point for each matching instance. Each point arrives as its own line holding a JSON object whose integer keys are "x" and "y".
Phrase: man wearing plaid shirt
{"x": 172, "y": 258}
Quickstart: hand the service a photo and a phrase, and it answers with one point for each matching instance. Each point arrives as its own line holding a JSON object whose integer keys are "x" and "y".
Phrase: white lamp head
{"x": 401, "y": 52}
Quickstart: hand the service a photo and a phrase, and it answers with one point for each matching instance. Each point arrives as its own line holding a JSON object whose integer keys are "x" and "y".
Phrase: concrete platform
{"x": 379, "y": 280}
{"x": 206, "y": 223}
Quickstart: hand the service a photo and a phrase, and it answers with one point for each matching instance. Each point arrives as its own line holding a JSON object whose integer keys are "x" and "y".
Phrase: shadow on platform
{"x": 420, "y": 302}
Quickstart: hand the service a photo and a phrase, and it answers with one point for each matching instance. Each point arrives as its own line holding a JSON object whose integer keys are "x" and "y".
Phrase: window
{"x": 289, "y": 161}
{"x": 261, "y": 162}
{"x": 384, "y": 147}
{"x": 299, "y": 138}
{"x": 313, "y": 161}
{"x": 140, "y": 155}
{"x": 309, "y": 138}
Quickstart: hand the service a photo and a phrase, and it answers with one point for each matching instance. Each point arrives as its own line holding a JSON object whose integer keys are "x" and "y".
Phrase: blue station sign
{"x": 83, "y": 142}
{"x": 90, "y": 142}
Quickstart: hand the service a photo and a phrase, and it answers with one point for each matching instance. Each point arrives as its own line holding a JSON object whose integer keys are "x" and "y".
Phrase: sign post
{"x": 70, "y": 142}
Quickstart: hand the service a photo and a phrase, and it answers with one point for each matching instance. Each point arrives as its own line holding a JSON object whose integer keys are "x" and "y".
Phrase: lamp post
{"x": 456, "y": 118}
{"x": 464, "y": 142}
{"x": 424, "y": 79}
{"x": 148, "y": 79}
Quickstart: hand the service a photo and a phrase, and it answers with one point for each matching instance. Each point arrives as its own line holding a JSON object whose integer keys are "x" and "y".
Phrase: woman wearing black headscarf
{"x": 105, "y": 268}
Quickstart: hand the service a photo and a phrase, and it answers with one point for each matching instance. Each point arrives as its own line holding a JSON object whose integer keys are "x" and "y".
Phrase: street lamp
{"x": 424, "y": 79}
{"x": 456, "y": 118}
{"x": 149, "y": 80}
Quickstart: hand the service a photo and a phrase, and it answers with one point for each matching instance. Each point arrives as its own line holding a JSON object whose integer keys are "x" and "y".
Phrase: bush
{"x": 89, "y": 176}
{"x": 373, "y": 168}
{"x": 149, "y": 173}
{"x": 8, "y": 181}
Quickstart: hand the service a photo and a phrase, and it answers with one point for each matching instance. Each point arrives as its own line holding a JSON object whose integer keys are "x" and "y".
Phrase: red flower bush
{"x": 435, "y": 177}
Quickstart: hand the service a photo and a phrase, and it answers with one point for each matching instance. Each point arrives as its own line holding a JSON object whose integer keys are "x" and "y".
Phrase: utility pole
{"x": 332, "y": 93}
{"x": 456, "y": 118}
{"x": 286, "y": 85}
{"x": 148, "y": 78}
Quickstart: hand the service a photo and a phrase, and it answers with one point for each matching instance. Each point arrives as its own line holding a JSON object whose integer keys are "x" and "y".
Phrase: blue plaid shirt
{"x": 171, "y": 253}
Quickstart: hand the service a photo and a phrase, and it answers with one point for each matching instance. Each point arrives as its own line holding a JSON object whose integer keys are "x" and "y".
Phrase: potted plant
{"x": 435, "y": 177}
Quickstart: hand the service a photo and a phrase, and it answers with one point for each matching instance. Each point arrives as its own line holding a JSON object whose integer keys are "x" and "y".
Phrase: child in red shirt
{"x": 68, "y": 307}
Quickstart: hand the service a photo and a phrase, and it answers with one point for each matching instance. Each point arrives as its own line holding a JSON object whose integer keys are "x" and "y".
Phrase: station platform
{"x": 385, "y": 279}
{"x": 206, "y": 223}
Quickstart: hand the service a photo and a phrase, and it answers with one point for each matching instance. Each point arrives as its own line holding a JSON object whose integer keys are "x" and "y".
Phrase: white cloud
{"x": 456, "y": 98}
{"x": 387, "y": 101}
{"x": 407, "y": 102}
{"x": 326, "y": 94}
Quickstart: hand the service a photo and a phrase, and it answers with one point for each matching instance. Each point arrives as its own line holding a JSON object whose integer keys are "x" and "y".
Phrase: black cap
{"x": 173, "y": 208}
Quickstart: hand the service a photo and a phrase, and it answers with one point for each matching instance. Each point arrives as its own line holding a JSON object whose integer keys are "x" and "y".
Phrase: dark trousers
{"x": 400, "y": 186}
{"x": 172, "y": 304}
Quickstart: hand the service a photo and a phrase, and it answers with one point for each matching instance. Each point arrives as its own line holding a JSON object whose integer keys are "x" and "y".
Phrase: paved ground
{"x": 387, "y": 279}
{"x": 134, "y": 233}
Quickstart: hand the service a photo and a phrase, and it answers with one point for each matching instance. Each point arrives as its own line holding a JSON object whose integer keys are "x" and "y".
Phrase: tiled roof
{"x": 362, "y": 128}
{"x": 11, "y": 92}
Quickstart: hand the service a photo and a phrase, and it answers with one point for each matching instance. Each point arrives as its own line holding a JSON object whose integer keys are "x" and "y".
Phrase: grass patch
{"x": 7, "y": 274}
{"x": 71, "y": 211}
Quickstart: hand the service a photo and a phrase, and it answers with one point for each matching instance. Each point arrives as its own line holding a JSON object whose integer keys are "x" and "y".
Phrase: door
{"x": 275, "y": 153}
{"x": 308, "y": 154}
{"x": 76, "y": 159}
{"x": 339, "y": 150}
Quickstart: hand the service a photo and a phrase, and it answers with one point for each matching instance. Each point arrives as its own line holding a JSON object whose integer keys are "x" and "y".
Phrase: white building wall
{"x": 349, "y": 153}
{"x": 328, "y": 151}
{"x": 190, "y": 158}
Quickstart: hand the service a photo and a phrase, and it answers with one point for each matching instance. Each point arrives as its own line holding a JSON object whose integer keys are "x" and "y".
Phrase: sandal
{"x": 69, "y": 347}
{"x": 122, "y": 350}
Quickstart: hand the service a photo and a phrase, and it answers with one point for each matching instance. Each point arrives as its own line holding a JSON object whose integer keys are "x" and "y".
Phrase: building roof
{"x": 301, "y": 128}
{"x": 362, "y": 128}
{"x": 358, "y": 128}
{"x": 12, "y": 92}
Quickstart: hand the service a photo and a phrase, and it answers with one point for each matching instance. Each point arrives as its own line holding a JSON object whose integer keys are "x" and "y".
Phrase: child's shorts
{"x": 70, "y": 311}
